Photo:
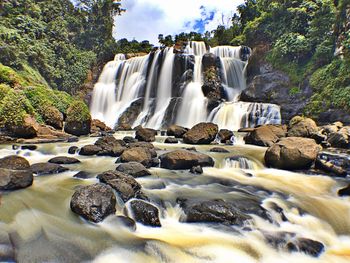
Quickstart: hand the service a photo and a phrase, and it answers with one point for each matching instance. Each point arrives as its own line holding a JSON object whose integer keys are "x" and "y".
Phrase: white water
{"x": 151, "y": 79}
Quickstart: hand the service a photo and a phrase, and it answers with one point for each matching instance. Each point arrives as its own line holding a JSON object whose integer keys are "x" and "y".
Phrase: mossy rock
{"x": 78, "y": 121}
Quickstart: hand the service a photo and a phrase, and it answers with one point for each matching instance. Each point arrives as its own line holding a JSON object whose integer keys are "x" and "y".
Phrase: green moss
{"x": 78, "y": 112}
{"x": 294, "y": 91}
{"x": 4, "y": 89}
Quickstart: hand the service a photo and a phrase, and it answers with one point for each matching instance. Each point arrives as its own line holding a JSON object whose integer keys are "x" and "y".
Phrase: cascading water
{"x": 157, "y": 90}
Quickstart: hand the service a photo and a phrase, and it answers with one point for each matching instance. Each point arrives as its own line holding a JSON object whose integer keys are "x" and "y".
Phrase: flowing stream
{"x": 38, "y": 221}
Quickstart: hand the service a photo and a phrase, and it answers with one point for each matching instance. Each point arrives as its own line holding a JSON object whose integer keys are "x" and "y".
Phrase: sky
{"x": 145, "y": 19}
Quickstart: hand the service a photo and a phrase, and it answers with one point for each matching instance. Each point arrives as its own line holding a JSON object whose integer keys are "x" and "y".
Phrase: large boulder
{"x": 302, "y": 127}
{"x": 64, "y": 160}
{"x": 94, "y": 202}
{"x": 110, "y": 146}
{"x": 176, "y": 131}
{"x": 141, "y": 155}
{"x": 292, "y": 153}
{"x": 28, "y": 129}
{"x": 134, "y": 169}
{"x": 266, "y": 135}
{"x": 99, "y": 126}
{"x": 144, "y": 213}
{"x": 78, "y": 128}
{"x": 225, "y": 135}
{"x": 125, "y": 185}
{"x": 202, "y": 133}
{"x": 47, "y": 168}
{"x": 183, "y": 159}
{"x": 89, "y": 150}
{"x": 53, "y": 117}
{"x": 145, "y": 134}
{"x": 15, "y": 173}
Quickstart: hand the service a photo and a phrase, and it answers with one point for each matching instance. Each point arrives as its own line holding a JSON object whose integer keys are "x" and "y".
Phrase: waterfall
{"x": 164, "y": 88}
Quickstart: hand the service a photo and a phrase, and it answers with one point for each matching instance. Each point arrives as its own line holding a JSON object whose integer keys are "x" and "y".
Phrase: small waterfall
{"x": 240, "y": 162}
{"x": 196, "y": 48}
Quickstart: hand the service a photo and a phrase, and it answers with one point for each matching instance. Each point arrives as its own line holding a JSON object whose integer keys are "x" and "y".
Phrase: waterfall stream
{"x": 163, "y": 95}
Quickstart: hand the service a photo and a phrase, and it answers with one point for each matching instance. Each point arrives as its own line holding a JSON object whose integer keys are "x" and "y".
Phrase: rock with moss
{"x": 78, "y": 121}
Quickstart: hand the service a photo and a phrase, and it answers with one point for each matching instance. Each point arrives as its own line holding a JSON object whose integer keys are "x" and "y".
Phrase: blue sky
{"x": 145, "y": 19}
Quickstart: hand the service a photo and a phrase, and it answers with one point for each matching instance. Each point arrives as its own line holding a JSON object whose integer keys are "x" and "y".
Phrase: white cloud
{"x": 145, "y": 19}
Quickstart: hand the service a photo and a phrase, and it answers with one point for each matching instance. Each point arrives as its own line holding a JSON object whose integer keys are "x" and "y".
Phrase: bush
{"x": 78, "y": 112}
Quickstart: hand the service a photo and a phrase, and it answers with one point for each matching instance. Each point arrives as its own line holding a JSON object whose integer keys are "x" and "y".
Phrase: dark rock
{"x": 212, "y": 87}
{"x": 47, "y": 168}
{"x": 302, "y": 127}
{"x": 340, "y": 139}
{"x": 122, "y": 220}
{"x": 266, "y": 135}
{"x": 144, "y": 213}
{"x": 330, "y": 168}
{"x": 53, "y": 117}
{"x": 94, "y": 202}
{"x": 29, "y": 147}
{"x": 142, "y": 155}
{"x": 307, "y": 246}
{"x": 89, "y": 150}
{"x": 219, "y": 150}
{"x": 183, "y": 159}
{"x": 125, "y": 185}
{"x": 63, "y": 160}
{"x": 130, "y": 115}
{"x": 14, "y": 162}
{"x": 292, "y": 153}
{"x": 214, "y": 211}
{"x": 78, "y": 128}
{"x": 147, "y": 145}
{"x": 171, "y": 140}
{"x": 202, "y": 133}
{"x": 344, "y": 191}
{"x": 145, "y": 135}
{"x": 110, "y": 146}
{"x": 134, "y": 169}
{"x": 28, "y": 129}
{"x": 333, "y": 163}
{"x": 209, "y": 60}
{"x": 176, "y": 131}
{"x": 73, "y": 150}
{"x": 15, "y": 179}
{"x": 155, "y": 162}
{"x": 196, "y": 169}
{"x": 129, "y": 139}
{"x": 123, "y": 127}
{"x": 225, "y": 135}
{"x": 82, "y": 175}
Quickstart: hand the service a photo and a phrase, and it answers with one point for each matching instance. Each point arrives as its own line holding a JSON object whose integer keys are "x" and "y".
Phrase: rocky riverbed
{"x": 204, "y": 196}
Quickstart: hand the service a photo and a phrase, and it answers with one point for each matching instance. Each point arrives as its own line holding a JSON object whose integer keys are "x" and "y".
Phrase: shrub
{"x": 78, "y": 112}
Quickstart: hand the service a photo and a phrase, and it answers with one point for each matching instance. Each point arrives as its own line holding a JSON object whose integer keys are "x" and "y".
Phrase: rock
{"x": 302, "y": 127}
{"x": 15, "y": 179}
{"x": 89, "y": 150}
{"x": 29, "y": 128}
{"x": 130, "y": 115}
{"x": 202, "y": 133}
{"x": 209, "y": 60}
{"x": 47, "y": 134}
{"x": 134, "y": 169}
{"x": 81, "y": 175}
{"x": 145, "y": 134}
{"x": 123, "y": 127}
{"x": 53, "y": 117}
{"x": 171, "y": 140}
{"x": 147, "y": 145}
{"x": 330, "y": 168}
{"x": 344, "y": 191}
{"x": 307, "y": 246}
{"x": 340, "y": 139}
{"x": 141, "y": 155}
{"x": 14, "y": 162}
{"x": 122, "y": 221}
{"x": 183, "y": 159}
{"x": 214, "y": 211}
{"x": 110, "y": 146}
{"x": 219, "y": 150}
{"x": 292, "y": 153}
{"x": 125, "y": 185}
{"x": 29, "y": 147}
{"x": 265, "y": 135}
{"x": 63, "y": 160}
{"x": 78, "y": 128}
{"x": 176, "y": 131}
{"x": 73, "y": 150}
{"x": 94, "y": 202}
{"x": 47, "y": 168}
{"x": 196, "y": 169}
{"x": 225, "y": 135}
{"x": 99, "y": 126}
{"x": 129, "y": 139}
{"x": 333, "y": 163}
{"x": 144, "y": 213}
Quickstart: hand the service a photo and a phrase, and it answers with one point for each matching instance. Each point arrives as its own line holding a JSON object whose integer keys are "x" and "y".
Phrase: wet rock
{"x": 202, "y": 133}
{"x": 125, "y": 185}
{"x": 110, "y": 146}
{"x": 147, "y": 145}
{"x": 82, "y": 175}
{"x": 134, "y": 169}
{"x": 63, "y": 160}
{"x": 183, "y": 159}
{"x": 89, "y": 150}
{"x": 209, "y": 60}
{"x": 78, "y": 128}
{"x": 307, "y": 246}
{"x": 94, "y": 202}
{"x": 266, "y": 135}
{"x": 142, "y": 155}
{"x": 47, "y": 168}
{"x": 123, "y": 127}
{"x": 122, "y": 220}
{"x": 171, "y": 140}
{"x": 225, "y": 135}
{"x": 145, "y": 134}
{"x": 14, "y": 162}
{"x": 219, "y": 150}
{"x": 176, "y": 131}
{"x": 7, "y": 248}
{"x": 99, "y": 126}
{"x": 214, "y": 211}
{"x": 344, "y": 191}
{"x": 196, "y": 169}
{"x": 28, "y": 129}
{"x": 340, "y": 139}
{"x": 144, "y": 213}
{"x": 29, "y": 147}
{"x": 292, "y": 153}
{"x": 15, "y": 179}
{"x": 330, "y": 168}
{"x": 302, "y": 127}
{"x": 73, "y": 150}
{"x": 129, "y": 139}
